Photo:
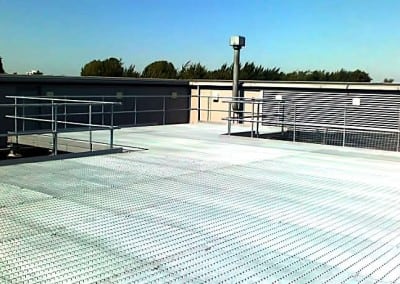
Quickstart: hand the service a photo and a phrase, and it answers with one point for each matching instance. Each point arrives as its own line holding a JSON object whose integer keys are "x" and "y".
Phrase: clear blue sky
{"x": 60, "y": 36}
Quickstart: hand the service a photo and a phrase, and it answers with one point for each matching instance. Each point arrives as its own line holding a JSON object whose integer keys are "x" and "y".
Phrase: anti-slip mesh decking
{"x": 209, "y": 209}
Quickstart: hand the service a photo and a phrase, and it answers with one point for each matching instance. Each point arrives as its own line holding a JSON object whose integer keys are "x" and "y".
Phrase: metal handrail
{"x": 127, "y": 96}
{"x": 63, "y": 100}
{"x": 345, "y": 126}
{"x": 321, "y": 125}
{"x": 63, "y": 122}
{"x": 55, "y": 103}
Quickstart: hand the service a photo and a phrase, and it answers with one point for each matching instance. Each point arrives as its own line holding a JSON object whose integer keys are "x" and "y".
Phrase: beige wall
{"x": 212, "y": 106}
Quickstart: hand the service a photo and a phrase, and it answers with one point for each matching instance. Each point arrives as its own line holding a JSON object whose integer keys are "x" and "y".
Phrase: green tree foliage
{"x": 225, "y": 72}
{"x": 359, "y": 76}
{"x": 193, "y": 71}
{"x": 160, "y": 69}
{"x": 111, "y": 67}
{"x": 35, "y": 72}
{"x": 273, "y": 74}
{"x": 1, "y": 67}
{"x": 249, "y": 71}
{"x": 131, "y": 72}
{"x": 388, "y": 80}
{"x": 93, "y": 68}
{"x": 322, "y": 75}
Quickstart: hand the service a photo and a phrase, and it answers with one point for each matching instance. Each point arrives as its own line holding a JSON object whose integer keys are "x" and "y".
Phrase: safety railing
{"x": 211, "y": 108}
{"x": 22, "y": 116}
{"x": 138, "y": 105}
{"x": 354, "y": 126}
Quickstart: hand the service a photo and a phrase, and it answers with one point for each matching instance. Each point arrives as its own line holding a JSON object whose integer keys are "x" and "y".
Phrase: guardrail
{"x": 53, "y": 121}
{"x": 347, "y": 131}
{"x": 132, "y": 107}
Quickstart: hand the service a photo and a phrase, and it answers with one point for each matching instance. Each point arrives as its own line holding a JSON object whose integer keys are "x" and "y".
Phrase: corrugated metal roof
{"x": 198, "y": 207}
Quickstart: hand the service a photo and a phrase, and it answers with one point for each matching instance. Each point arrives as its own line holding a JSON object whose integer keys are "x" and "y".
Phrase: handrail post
{"x": 102, "y": 112}
{"x": 112, "y": 127}
{"x": 283, "y": 118}
{"x": 54, "y": 122}
{"x": 208, "y": 108}
{"x": 252, "y": 118}
{"x": 258, "y": 119}
{"x": 229, "y": 118}
{"x": 135, "y": 111}
{"x": 23, "y": 115}
{"x": 398, "y": 131}
{"x": 163, "y": 110}
{"x": 344, "y": 126}
{"x": 15, "y": 120}
{"x": 294, "y": 128}
{"x": 65, "y": 115}
{"x": 198, "y": 104}
{"x": 90, "y": 128}
{"x": 52, "y": 115}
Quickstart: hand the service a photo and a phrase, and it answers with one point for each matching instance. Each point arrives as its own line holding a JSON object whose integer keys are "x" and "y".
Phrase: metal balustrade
{"x": 21, "y": 117}
{"x": 348, "y": 125}
{"x": 329, "y": 119}
{"x": 159, "y": 104}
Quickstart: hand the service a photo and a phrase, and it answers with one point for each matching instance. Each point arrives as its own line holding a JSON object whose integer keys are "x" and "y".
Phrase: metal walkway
{"x": 203, "y": 208}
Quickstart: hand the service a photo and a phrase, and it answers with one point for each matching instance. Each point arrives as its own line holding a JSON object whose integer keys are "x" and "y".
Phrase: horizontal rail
{"x": 62, "y": 122}
{"x": 47, "y": 104}
{"x": 283, "y": 102}
{"x": 49, "y": 131}
{"x": 321, "y": 125}
{"x": 63, "y": 100}
{"x": 97, "y": 113}
{"x": 129, "y": 96}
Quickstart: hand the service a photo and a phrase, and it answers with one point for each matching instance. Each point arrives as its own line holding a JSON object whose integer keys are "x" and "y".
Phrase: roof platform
{"x": 201, "y": 207}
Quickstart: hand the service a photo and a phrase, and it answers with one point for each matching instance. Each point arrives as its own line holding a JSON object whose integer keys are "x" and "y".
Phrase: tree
{"x": 359, "y": 76}
{"x": 193, "y": 71}
{"x": 131, "y": 72}
{"x": 388, "y": 80}
{"x": 111, "y": 67}
{"x": 93, "y": 68}
{"x": 273, "y": 74}
{"x": 322, "y": 75}
{"x": 225, "y": 72}
{"x": 249, "y": 71}
{"x": 34, "y": 72}
{"x": 160, "y": 69}
{"x": 1, "y": 67}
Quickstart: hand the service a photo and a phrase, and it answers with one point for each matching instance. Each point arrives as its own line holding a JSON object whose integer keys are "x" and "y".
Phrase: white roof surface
{"x": 199, "y": 207}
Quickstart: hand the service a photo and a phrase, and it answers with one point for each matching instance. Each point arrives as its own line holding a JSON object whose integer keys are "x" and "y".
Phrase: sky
{"x": 59, "y": 37}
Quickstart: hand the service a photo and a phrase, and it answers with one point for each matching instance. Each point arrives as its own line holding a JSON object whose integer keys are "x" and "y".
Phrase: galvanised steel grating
{"x": 204, "y": 213}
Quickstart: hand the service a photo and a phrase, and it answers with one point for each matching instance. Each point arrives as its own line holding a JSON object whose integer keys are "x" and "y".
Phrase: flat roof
{"x": 197, "y": 207}
{"x": 88, "y": 80}
{"x": 203, "y": 83}
{"x": 317, "y": 86}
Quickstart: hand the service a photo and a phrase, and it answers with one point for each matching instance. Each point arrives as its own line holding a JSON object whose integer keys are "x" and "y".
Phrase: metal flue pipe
{"x": 237, "y": 42}
{"x": 235, "y": 82}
